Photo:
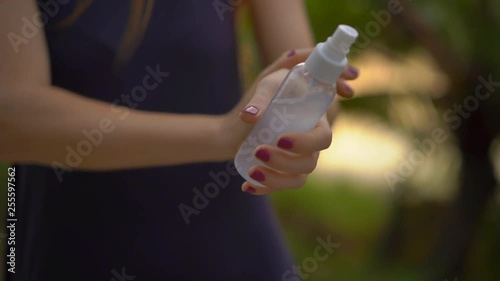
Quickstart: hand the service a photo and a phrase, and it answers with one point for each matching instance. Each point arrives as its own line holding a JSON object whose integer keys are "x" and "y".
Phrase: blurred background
{"x": 409, "y": 187}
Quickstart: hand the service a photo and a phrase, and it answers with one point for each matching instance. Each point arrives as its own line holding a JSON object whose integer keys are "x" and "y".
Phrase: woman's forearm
{"x": 52, "y": 126}
{"x": 280, "y": 25}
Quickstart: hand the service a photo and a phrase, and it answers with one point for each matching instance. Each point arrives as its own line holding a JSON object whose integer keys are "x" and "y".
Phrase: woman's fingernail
{"x": 348, "y": 88}
{"x": 285, "y": 143}
{"x": 263, "y": 155}
{"x": 258, "y": 175}
{"x": 291, "y": 53}
{"x": 353, "y": 71}
{"x": 250, "y": 190}
{"x": 252, "y": 110}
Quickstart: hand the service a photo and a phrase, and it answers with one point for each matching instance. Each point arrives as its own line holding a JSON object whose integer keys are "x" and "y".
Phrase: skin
{"x": 38, "y": 120}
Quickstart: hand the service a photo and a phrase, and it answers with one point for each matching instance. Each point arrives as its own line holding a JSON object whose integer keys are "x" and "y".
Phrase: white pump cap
{"x": 328, "y": 59}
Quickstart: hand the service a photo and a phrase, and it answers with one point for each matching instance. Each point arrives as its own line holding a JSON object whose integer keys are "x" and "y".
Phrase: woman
{"x": 119, "y": 115}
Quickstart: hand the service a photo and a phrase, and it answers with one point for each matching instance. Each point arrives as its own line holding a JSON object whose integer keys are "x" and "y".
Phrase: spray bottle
{"x": 301, "y": 100}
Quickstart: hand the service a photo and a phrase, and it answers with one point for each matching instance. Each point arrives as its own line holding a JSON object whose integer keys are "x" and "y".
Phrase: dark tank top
{"x": 128, "y": 225}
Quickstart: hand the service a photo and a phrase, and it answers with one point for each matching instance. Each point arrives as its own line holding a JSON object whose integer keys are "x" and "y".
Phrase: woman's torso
{"x": 99, "y": 225}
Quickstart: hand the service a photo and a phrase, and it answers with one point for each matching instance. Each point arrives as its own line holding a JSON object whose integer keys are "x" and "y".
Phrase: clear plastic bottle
{"x": 301, "y": 100}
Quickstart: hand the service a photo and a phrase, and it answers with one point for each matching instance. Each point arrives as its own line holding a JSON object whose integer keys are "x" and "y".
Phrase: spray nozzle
{"x": 329, "y": 58}
{"x": 343, "y": 38}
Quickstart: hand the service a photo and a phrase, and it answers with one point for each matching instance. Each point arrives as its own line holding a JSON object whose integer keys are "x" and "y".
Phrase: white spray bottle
{"x": 301, "y": 100}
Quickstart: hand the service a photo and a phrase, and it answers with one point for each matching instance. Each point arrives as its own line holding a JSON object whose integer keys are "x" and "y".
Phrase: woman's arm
{"x": 43, "y": 124}
{"x": 40, "y": 123}
{"x": 280, "y": 25}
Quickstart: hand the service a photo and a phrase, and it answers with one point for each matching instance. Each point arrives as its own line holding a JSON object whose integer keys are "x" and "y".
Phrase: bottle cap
{"x": 328, "y": 59}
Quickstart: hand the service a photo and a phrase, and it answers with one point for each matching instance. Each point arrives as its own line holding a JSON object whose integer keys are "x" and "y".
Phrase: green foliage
{"x": 467, "y": 32}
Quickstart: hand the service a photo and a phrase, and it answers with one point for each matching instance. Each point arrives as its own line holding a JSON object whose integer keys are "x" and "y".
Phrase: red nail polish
{"x": 258, "y": 175}
{"x": 285, "y": 143}
{"x": 263, "y": 155}
{"x": 250, "y": 190}
{"x": 252, "y": 110}
{"x": 291, "y": 53}
{"x": 348, "y": 89}
{"x": 353, "y": 70}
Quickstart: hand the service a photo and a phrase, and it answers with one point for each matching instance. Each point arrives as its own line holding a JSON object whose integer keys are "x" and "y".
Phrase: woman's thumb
{"x": 264, "y": 92}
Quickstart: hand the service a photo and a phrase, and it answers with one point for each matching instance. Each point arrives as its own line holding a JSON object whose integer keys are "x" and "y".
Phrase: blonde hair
{"x": 139, "y": 17}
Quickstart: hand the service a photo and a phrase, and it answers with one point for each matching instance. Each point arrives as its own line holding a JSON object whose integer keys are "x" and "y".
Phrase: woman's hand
{"x": 288, "y": 164}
